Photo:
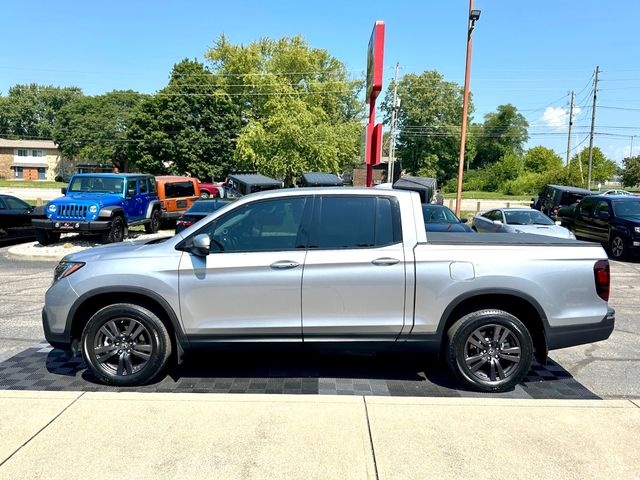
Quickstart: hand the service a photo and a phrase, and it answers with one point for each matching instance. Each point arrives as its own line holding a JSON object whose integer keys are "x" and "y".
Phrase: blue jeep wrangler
{"x": 103, "y": 203}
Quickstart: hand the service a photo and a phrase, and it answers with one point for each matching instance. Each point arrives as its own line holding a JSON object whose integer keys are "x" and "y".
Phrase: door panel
{"x": 241, "y": 296}
{"x": 345, "y": 294}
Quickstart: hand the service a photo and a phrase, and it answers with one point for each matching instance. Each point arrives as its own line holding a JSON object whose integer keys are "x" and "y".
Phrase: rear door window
{"x": 586, "y": 207}
{"x": 355, "y": 222}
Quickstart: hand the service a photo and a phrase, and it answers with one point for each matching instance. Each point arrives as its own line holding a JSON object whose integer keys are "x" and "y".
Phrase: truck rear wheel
{"x": 154, "y": 224}
{"x": 45, "y": 237}
{"x": 115, "y": 233}
{"x": 489, "y": 350}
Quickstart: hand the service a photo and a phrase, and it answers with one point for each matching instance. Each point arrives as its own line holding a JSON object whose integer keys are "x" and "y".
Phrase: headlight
{"x": 51, "y": 207}
{"x": 65, "y": 268}
{"x": 637, "y": 229}
{"x": 93, "y": 209}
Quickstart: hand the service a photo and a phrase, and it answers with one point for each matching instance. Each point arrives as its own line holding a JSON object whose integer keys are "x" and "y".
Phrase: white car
{"x": 519, "y": 220}
{"x": 616, "y": 192}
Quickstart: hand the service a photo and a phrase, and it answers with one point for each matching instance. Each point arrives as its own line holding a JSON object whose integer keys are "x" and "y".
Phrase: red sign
{"x": 375, "y": 61}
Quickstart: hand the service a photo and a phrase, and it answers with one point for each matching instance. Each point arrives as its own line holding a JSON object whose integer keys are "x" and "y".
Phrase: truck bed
{"x": 457, "y": 238}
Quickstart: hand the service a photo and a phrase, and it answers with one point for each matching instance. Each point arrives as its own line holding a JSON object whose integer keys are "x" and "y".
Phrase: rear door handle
{"x": 385, "y": 261}
{"x": 284, "y": 264}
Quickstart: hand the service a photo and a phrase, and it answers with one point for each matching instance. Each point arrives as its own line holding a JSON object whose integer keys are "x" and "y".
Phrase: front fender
{"x": 110, "y": 211}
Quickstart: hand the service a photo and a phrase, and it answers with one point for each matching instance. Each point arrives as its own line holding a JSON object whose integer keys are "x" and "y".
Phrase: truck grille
{"x": 72, "y": 212}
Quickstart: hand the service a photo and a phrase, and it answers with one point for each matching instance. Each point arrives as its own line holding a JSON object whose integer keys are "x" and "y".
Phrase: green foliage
{"x": 94, "y": 129}
{"x": 601, "y": 168}
{"x": 503, "y": 132}
{"x": 30, "y": 110}
{"x": 631, "y": 171}
{"x": 541, "y": 159}
{"x": 303, "y": 112}
{"x": 428, "y": 141}
{"x": 189, "y": 127}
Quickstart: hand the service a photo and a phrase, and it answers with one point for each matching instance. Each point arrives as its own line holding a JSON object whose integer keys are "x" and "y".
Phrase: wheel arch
{"x": 90, "y": 302}
{"x": 517, "y": 303}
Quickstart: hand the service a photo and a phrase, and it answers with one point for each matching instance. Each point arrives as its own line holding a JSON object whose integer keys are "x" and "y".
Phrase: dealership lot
{"x": 603, "y": 370}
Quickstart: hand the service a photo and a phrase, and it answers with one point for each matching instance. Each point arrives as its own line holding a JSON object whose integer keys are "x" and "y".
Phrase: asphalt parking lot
{"x": 605, "y": 370}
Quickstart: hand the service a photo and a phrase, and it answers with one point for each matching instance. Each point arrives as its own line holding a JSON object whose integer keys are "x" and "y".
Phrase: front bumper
{"x": 71, "y": 225}
{"x": 572, "y": 335}
{"x": 61, "y": 340}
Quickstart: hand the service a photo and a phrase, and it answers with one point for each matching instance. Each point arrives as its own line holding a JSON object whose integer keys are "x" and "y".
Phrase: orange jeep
{"x": 176, "y": 194}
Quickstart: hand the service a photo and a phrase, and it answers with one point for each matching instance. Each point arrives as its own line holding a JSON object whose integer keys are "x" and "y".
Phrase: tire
{"x": 489, "y": 369}
{"x": 45, "y": 237}
{"x": 116, "y": 232}
{"x": 126, "y": 345}
{"x": 618, "y": 247}
{"x": 204, "y": 194}
{"x": 154, "y": 225}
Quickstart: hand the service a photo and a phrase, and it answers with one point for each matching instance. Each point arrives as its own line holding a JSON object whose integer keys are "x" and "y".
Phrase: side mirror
{"x": 131, "y": 193}
{"x": 201, "y": 245}
{"x": 497, "y": 222}
{"x": 558, "y": 222}
{"x": 63, "y": 190}
{"x": 464, "y": 220}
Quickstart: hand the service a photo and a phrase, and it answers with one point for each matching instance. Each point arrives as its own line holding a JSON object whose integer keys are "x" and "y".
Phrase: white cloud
{"x": 557, "y": 118}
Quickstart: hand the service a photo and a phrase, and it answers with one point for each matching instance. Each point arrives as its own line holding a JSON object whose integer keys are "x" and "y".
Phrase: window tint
{"x": 569, "y": 198}
{"x": 2, "y": 205}
{"x": 143, "y": 185}
{"x": 179, "y": 189}
{"x": 602, "y": 206}
{"x": 586, "y": 207}
{"x": 15, "y": 204}
{"x": 355, "y": 222}
{"x": 153, "y": 189}
{"x": 132, "y": 188}
{"x": 261, "y": 226}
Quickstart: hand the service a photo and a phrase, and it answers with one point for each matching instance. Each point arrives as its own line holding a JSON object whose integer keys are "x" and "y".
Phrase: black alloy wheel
{"x": 489, "y": 350}
{"x": 618, "y": 247}
{"x": 125, "y": 344}
{"x": 154, "y": 224}
{"x": 116, "y": 232}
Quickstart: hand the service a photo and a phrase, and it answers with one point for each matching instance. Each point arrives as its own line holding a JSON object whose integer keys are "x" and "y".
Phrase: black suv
{"x": 553, "y": 197}
{"x": 613, "y": 220}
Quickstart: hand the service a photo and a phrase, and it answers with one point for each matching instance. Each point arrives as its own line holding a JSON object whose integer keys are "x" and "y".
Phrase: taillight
{"x": 603, "y": 278}
{"x": 184, "y": 223}
{"x": 555, "y": 210}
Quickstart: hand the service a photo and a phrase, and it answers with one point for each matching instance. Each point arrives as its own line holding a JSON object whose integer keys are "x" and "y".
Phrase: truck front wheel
{"x": 489, "y": 350}
{"x": 45, "y": 237}
{"x": 115, "y": 233}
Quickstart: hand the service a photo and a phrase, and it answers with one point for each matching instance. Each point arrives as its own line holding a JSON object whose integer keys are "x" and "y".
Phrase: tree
{"x": 503, "y": 132}
{"x": 631, "y": 171}
{"x": 30, "y": 110}
{"x": 94, "y": 129}
{"x": 301, "y": 108}
{"x": 292, "y": 138}
{"x": 541, "y": 159}
{"x": 428, "y": 141}
{"x": 601, "y": 168}
{"x": 188, "y": 127}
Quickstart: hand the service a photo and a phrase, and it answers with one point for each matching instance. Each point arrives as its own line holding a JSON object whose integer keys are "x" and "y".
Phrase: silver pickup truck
{"x": 326, "y": 266}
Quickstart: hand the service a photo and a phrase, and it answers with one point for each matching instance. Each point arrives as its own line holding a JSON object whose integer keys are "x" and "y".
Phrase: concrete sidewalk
{"x": 63, "y": 435}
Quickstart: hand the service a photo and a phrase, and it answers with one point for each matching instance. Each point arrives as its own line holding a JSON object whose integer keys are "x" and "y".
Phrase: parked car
{"x": 106, "y": 204}
{"x": 211, "y": 190}
{"x": 319, "y": 179}
{"x": 554, "y": 197}
{"x": 615, "y": 192}
{"x": 519, "y": 220}
{"x": 372, "y": 276}
{"x": 198, "y": 211}
{"x": 239, "y": 184}
{"x": 613, "y": 220}
{"x": 15, "y": 219}
{"x": 176, "y": 194}
{"x": 438, "y": 218}
{"x": 426, "y": 187}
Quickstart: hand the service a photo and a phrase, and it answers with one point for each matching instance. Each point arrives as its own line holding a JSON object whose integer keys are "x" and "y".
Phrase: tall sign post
{"x": 374, "y": 86}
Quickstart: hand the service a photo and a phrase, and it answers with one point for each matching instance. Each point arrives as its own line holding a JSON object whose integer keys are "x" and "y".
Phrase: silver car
{"x": 519, "y": 220}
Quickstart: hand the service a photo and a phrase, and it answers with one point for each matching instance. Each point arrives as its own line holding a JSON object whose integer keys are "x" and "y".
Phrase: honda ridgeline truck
{"x": 106, "y": 204}
{"x": 326, "y": 266}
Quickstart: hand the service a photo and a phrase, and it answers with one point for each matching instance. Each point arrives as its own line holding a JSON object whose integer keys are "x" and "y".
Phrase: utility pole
{"x": 593, "y": 124}
{"x": 631, "y": 148}
{"x": 570, "y": 125}
{"x": 394, "y": 119}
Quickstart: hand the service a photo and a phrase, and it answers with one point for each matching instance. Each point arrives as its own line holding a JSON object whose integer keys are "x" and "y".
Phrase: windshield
{"x": 526, "y": 217}
{"x": 206, "y": 206}
{"x": 433, "y": 214}
{"x": 626, "y": 208}
{"x": 96, "y": 184}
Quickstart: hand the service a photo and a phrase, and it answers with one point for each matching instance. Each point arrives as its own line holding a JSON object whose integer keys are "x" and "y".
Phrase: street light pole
{"x": 474, "y": 15}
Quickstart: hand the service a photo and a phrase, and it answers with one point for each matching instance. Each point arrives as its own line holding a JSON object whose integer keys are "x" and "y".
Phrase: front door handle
{"x": 385, "y": 261}
{"x": 284, "y": 264}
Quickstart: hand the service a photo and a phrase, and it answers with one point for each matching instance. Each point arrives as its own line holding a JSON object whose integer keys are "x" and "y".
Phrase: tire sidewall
{"x": 157, "y": 331}
{"x": 461, "y": 331}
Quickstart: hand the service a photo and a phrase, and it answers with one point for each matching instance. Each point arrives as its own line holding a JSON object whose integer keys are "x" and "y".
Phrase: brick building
{"x": 32, "y": 160}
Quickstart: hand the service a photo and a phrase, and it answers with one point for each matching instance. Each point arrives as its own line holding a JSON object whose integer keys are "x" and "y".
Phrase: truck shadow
{"x": 290, "y": 371}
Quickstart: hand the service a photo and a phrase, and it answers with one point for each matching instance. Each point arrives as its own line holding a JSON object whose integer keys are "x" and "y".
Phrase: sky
{"x": 530, "y": 54}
